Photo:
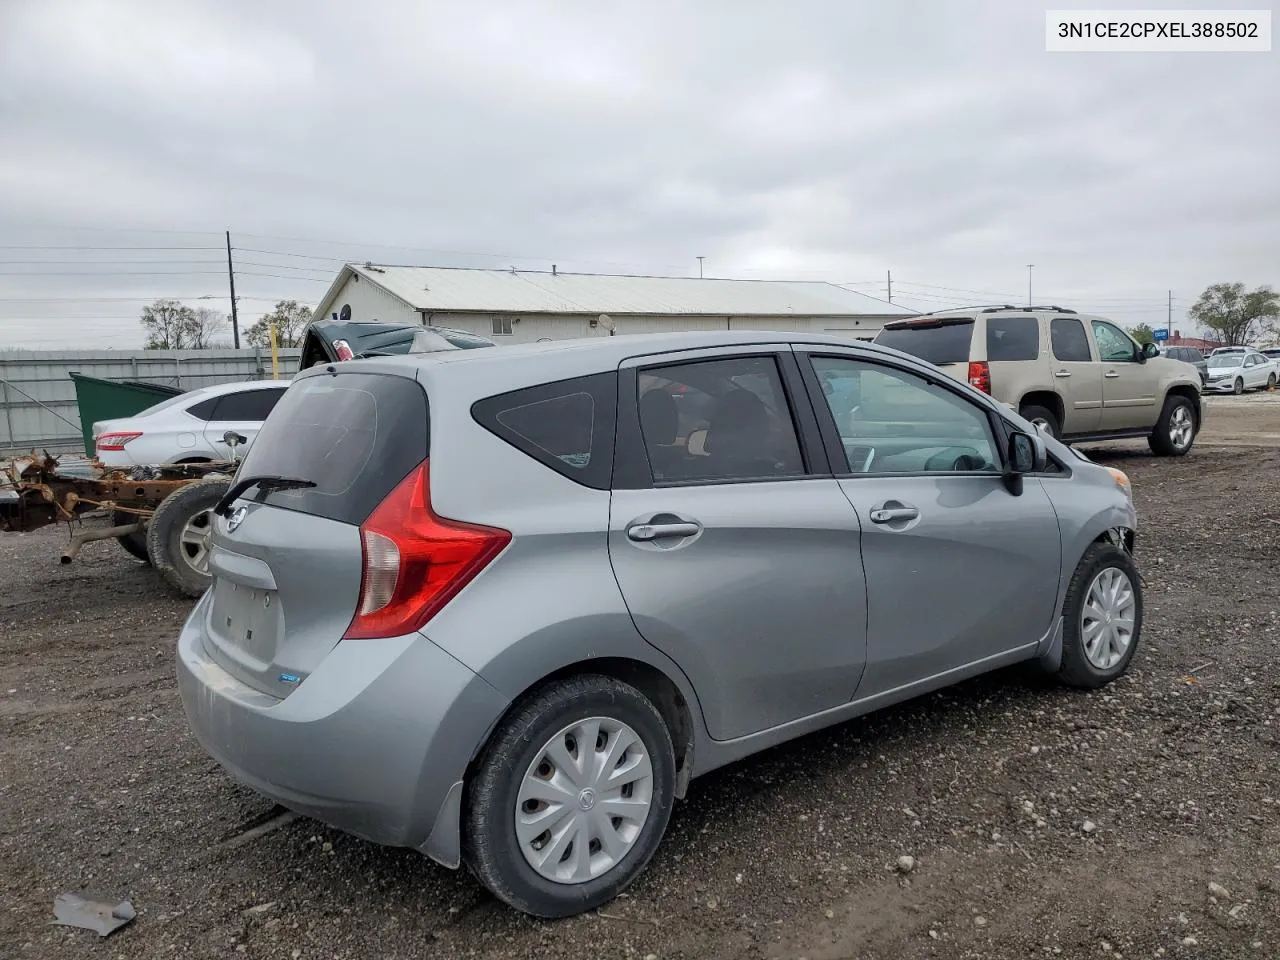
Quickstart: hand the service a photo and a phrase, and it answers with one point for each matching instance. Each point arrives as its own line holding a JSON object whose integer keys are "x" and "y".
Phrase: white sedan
{"x": 188, "y": 428}
{"x": 1238, "y": 371}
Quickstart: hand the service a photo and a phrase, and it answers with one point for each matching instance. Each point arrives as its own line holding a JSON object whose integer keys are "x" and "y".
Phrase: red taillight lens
{"x": 980, "y": 375}
{"x": 115, "y": 441}
{"x": 343, "y": 349}
{"x": 414, "y": 561}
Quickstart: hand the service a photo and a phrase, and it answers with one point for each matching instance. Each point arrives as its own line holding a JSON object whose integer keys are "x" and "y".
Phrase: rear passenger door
{"x": 735, "y": 550}
{"x": 242, "y": 412}
{"x": 960, "y": 572}
{"x": 1076, "y": 374}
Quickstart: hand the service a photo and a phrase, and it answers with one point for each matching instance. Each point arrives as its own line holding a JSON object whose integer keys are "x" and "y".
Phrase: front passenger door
{"x": 960, "y": 572}
{"x": 1129, "y": 386}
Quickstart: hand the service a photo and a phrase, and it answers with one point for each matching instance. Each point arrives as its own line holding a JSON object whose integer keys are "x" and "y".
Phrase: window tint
{"x": 891, "y": 421}
{"x": 204, "y": 409}
{"x": 251, "y": 405}
{"x": 718, "y": 420}
{"x": 1069, "y": 340}
{"x": 1113, "y": 345}
{"x": 355, "y": 435}
{"x": 567, "y": 425}
{"x": 1013, "y": 338}
{"x": 936, "y": 341}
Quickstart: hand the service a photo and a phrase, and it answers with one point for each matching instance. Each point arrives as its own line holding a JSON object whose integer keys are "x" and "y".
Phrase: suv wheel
{"x": 1102, "y": 618}
{"x": 571, "y": 797}
{"x": 1175, "y": 430}
{"x": 1042, "y": 417}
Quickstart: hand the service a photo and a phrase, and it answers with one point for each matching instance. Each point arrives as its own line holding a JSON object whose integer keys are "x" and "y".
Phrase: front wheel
{"x": 1271, "y": 381}
{"x": 178, "y": 536}
{"x": 571, "y": 797}
{"x": 1102, "y": 618}
{"x": 1238, "y": 387}
{"x": 1175, "y": 431}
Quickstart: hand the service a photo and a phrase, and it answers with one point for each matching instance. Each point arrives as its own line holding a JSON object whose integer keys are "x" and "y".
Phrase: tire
{"x": 1238, "y": 387}
{"x": 1175, "y": 431}
{"x": 1084, "y": 666}
{"x": 1271, "y": 381}
{"x": 515, "y": 757}
{"x": 1042, "y": 415}
{"x": 179, "y": 562}
{"x": 135, "y": 544}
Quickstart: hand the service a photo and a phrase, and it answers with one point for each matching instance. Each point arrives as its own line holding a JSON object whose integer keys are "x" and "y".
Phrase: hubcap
{"x": 1181, "y": 427}
{"x": 1106, "y": 622}
{"x": 584, "y": 800}
{"x": 195, "y": 541}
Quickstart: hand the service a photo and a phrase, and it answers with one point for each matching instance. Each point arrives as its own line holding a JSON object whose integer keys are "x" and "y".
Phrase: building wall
{"x": 370, "y": 302}
{"x": 530, "y": 327}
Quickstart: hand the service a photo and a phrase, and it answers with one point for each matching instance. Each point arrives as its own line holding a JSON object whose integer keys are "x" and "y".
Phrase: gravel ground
{"x": 1041, "y": 822}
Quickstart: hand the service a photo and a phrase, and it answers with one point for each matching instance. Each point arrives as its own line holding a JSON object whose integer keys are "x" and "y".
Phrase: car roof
{"x": 218, "y": 389}
{"x": 973, "y": 313}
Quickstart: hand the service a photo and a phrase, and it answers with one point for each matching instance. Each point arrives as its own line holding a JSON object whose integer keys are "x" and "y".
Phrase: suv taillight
{"x": 980, "y": 375}
{"x": 115, "y": 441}
{"x": 343, "y": 350}
{"x": 414, "y": 561}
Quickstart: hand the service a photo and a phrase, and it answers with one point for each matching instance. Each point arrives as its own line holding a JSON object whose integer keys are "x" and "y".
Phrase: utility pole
{"x": 1169, "y": 322}
{"x": 700, "y": 259}
{"x": 888, "y": 279}
{"x": 1029, "y": 300}
{"x": 231, "y": 278}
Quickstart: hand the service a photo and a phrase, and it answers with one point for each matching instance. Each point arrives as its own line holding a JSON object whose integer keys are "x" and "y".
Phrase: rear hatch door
{"x": 946, "y": 342}
{"x": 287, "y": 559}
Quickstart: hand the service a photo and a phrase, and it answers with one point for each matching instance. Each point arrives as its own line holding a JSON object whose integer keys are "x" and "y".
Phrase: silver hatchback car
{"x": 501, "y": 606}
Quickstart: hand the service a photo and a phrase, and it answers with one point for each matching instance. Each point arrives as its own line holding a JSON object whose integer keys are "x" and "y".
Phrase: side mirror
{"x": 1027, "y": 454}
{"x": 1149, "y": 352}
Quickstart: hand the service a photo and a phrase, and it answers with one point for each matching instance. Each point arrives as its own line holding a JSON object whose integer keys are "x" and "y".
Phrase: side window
{"x": 892, "y": 421}
{"x": 1113, "y": 345}
{"x": 718, "y": 420}
{"x": 566, "y": 425}
{"x": 1069, "y": 341}
{"x": 204, "y": 410}
{"x": 1013, "y": 338}
{"x": 250, "y": 405}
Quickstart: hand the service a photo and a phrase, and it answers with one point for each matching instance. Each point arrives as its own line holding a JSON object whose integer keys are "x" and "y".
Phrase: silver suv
{"x": 502, "y": 605}
{"x": 1077, "y": 377}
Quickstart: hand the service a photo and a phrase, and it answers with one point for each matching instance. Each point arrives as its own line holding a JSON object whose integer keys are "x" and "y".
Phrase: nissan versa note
{"x": 502, "y": 605}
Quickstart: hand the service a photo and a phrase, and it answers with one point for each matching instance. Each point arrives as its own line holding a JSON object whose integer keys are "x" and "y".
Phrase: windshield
{"x": 1220, "y": 360}
{"x": 935, "y": 341}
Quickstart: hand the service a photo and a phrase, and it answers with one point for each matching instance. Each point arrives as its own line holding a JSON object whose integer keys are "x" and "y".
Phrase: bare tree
{"x": 291, "y": 319}
{"x": 203, "y": 327}
{"x": 167, "y": 324}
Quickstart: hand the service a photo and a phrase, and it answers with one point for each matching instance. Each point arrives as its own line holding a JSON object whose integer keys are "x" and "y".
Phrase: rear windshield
{"x": 355, "y": 435}
{"x": 936, "y": 341}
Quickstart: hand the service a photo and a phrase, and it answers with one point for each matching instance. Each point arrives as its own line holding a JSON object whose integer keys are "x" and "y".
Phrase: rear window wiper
{"x": 262, "y": 483}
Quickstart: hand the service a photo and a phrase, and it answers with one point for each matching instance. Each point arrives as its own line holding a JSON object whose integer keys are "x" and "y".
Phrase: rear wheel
{"x": 1175, "y": 431}
{"x": 178, "y": 536}
{"x": 1042, "y": 418}
{"x": 1102, "y": 618}
{"x": 571, "y": 797}
{"x": 134, "y": 544}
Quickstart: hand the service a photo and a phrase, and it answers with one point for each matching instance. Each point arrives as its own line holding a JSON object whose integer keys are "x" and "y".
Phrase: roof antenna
{"x": 553, "y": 269}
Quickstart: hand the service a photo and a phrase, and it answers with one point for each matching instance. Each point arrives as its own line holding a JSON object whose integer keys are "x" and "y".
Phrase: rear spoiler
{"x": 918, "y": 323}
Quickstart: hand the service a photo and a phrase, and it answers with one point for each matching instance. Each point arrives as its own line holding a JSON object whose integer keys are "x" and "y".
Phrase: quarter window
{"x": 1069, "y": 341}
{"x": 1013, "y": 338}
{"x": 718, "y": 420}
{"x": 1113, "y": 345}
{"x": 891, "y": 421}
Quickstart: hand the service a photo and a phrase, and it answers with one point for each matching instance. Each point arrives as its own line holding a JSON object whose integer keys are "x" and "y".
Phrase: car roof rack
{"x": 1053, "y": 307}
{"x": 981, "y": 307}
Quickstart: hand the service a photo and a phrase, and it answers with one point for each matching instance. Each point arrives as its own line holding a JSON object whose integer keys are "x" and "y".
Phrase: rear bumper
{"x": 373, "y": 742}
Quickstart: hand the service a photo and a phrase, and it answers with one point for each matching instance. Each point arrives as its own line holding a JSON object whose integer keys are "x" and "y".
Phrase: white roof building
{"x": 525, "y": 305}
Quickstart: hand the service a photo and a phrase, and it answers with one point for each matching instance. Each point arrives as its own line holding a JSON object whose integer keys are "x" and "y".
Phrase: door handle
{"x": 643, "y": 532}
{"x": 890, "y": 514}
{"x": 1063, "y": 373}
{"x": 1111, "y": 374}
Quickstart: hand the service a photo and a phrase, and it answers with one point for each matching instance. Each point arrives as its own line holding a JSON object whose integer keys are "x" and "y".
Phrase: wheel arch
{"x": 1191, "y": 394}
{"x": 1048, "y": 399}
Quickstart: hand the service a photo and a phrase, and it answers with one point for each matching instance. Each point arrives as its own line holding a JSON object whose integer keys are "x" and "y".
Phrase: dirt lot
{"x": 1043, "y": 822}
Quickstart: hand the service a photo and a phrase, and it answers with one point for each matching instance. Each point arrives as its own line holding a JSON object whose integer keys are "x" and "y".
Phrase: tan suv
{"x": 1078, "y": 377}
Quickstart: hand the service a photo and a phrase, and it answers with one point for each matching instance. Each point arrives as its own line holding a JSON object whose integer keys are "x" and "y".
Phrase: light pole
{"x": 1029, "y": 300}
{"x": 700, "y": 259}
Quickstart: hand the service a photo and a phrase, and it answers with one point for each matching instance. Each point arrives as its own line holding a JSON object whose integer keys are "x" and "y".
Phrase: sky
{"x": 830, "y": 140}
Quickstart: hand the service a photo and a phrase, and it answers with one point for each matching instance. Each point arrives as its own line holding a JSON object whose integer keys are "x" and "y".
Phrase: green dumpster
{"x": 107, "y": 399}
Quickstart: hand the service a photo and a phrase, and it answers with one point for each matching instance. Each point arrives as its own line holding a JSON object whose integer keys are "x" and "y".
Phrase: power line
{"x": 57, "y": 246}
{"x": 113, "y": 273}
{"x": 276, "y": 276}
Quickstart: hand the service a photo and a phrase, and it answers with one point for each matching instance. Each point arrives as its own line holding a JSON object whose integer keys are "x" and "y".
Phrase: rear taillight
{"x": 343, "y": 350}
{"x": 414, "y": 561}
{"x": 115, "y": 441}
{"x": 980, "y": 375}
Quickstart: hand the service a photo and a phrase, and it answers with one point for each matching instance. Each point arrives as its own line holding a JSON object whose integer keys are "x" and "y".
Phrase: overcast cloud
{"x": 808, "y": 140}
